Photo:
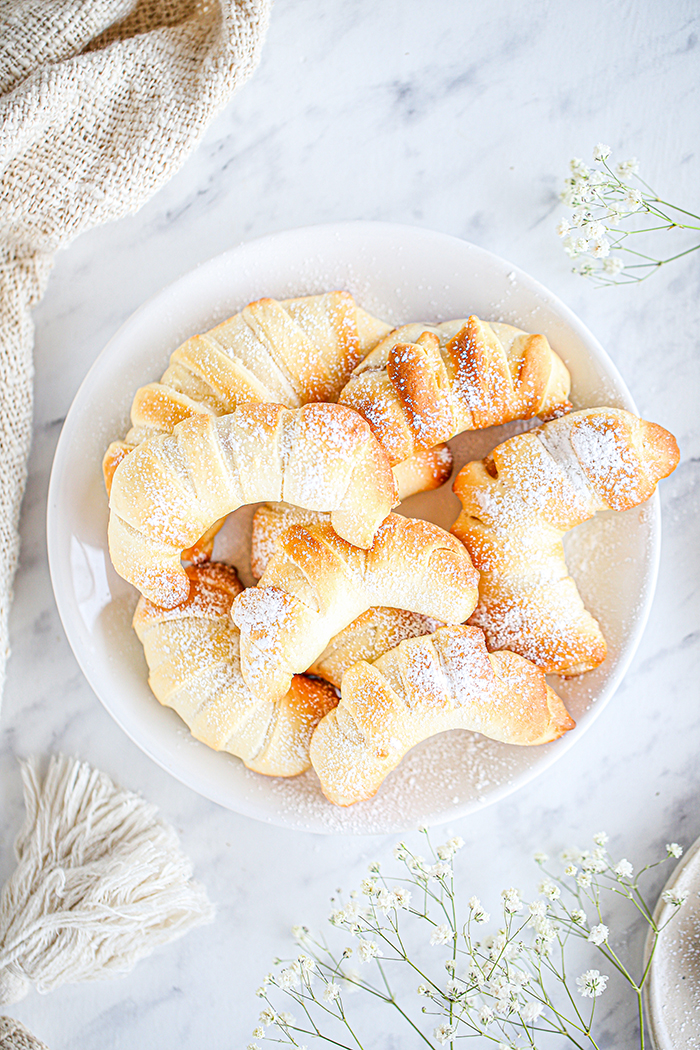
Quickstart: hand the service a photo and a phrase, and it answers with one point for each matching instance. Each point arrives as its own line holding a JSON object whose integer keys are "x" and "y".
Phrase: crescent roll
{"x": 194, "y": 668}
{"x": 287, "y": 352}
{"x": 426, "y": 686}
{"x": 316, "y": 583}
{"x": 518, "y": 504}
{"x": 424, "y": 384}
{"x": 170, "y": 490}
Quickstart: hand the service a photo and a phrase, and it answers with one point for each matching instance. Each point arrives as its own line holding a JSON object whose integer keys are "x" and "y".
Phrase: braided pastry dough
{"x": 170, "y": 490}
{"x": 194, "y": 668}
{"x": 316, "y": 584}
{"x": 422, "y": 687}
{"x": 287, "y": 353}
{"x": 518, "y": 504}
{"x": 424, "y": 384}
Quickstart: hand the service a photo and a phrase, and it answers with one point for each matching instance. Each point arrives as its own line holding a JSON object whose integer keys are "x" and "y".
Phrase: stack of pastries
{"x": 367, "y": 631}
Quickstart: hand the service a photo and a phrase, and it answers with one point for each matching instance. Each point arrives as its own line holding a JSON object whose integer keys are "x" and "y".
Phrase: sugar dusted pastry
{"x": 170, "y": 490}
{"x": 287, "y": 352}
{"x": 518, "y": 504}
{"x": 423, "y": 687}
{"x": 421, "y": 473}
{"x": 368, "y": 637}
{"x": 316, "y": 584}
{"x": 424, "y": 384}
{"x": 194, "y": 667}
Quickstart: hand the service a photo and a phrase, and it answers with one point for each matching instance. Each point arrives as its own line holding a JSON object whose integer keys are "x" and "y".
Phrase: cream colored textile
{"x": 101, "y": 102}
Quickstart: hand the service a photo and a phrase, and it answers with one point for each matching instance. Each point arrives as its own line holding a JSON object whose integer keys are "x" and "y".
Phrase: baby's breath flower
{"x": 480, "y": 916}
{"x": 572, "y": 854}
{"x": 531, "y": 1011}
{"x": 633, "y": 200}
{"x": 331, "y": 992}
{"x": 267, "y": 1017}
{"x": 578, "y": 916}
{"x": 613, "y": 265}
{"x": 368, "y": 887}
{"x": 674, "y": 850}
{"x": 441, "y": 934}
{"x": 486, "y": 1015}
{"x": 287, "y": 978}
{"x": 453, "y": 990}
{"x": 599, "y": 934}
{"x": 570, "y": 870}
{"x": 374, "y": 867}
{"x": 538, "y": 909}
{"x": 422, "y": 990}
{"x": 440, "y": 870}
{"x": 623, "y": 869}
{"x": 400, "y": 851}
{"x": 676, "y": 899}
{"x": 367, "y": 950}
{"x": 475, "y": 903}
{"x": 601, "y": 838}
{"x": 402, "y": 897}
{"x": 601, "y": 152}
{"x": 450, "y": 965}
{"x": 584, "y": 879}
{"x": 550, "y": 889}
{"x": 258, "y": 1033}
{"x": 443, "y": 1032}
{"x": 591, "y": 984}
{"x": 625, "y": 168}
{"x": 563, "y": 227}
{"x": 285, "y": 1019}
{"x": 300, "y": 933}
{"x": 541, "y": 858}
{"x": 600, "y": 248}
{"x": 253, "y": 1046}
{"x": 511, "y": 901}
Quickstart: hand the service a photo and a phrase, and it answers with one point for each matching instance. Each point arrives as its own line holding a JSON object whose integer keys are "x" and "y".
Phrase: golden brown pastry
{"x": 421, "y": 473}
{"x": 368, "y": 637}
{"x": 422, "y": 687}
{"x": 316, "y": 584}
{"x": 424, "y": 384}
{"x": 288, "y": 352}
{"x": 194, "y": 668}
{"x": 170, "y": 490}
{"x": 518, "y": 504}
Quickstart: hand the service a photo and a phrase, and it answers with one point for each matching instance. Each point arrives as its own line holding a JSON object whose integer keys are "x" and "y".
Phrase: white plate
{"x": 399, "y": 273}
{"x": 673, "y": 990}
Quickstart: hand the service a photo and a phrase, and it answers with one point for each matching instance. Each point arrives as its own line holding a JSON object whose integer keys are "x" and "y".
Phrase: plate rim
{"x": 248, "y": 806}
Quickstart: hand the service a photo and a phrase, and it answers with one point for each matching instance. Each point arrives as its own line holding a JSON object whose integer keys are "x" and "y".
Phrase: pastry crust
{"x": 169, "y": 491}
{"x": 316, "y": 584}
{"x": 192, "y": 653}
{"x": 423, "y": 687}
{"x": 518, "y": 504}
{"x": 424, "y": 384}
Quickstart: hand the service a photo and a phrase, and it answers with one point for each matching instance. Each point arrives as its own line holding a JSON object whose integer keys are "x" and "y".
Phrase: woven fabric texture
{"x": 101, "y": 101}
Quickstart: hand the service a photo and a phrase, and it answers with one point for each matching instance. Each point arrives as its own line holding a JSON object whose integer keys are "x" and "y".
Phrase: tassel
{"x": 14, "y": 1036}
{"x": 100, "y": 882}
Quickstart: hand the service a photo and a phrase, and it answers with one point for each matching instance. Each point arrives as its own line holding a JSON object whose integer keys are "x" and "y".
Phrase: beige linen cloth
{"x": 101, "y": 101}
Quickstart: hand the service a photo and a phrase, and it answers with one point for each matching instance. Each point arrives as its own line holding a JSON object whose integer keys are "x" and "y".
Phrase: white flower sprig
{"x": 610, "y": 211}
{"x": 510, "y": 987}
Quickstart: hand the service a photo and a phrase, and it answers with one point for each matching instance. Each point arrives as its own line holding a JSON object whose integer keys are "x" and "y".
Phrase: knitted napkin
{"x": 101, "y": 101}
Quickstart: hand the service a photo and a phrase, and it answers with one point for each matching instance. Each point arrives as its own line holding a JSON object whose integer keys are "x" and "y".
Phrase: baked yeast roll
{"x": 423, "y": 687}
{"x": 170, "y": 490}
{"x": 194, "y": 668}
{"x": 518, "y": 504}
{"x": 424, "y": 384}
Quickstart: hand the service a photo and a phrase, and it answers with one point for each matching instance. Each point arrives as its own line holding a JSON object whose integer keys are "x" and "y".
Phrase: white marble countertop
{"x": 460, "y": 117}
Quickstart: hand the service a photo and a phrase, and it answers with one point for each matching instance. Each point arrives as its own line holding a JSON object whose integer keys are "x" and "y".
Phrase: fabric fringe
{"x": 100, "y": 882}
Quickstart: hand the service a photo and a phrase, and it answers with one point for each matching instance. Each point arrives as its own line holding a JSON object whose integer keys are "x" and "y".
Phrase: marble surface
{"x": 460, "y": 117}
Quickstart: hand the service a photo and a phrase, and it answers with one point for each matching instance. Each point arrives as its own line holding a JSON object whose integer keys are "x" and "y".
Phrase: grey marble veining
{"x": 461, "y": 117}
